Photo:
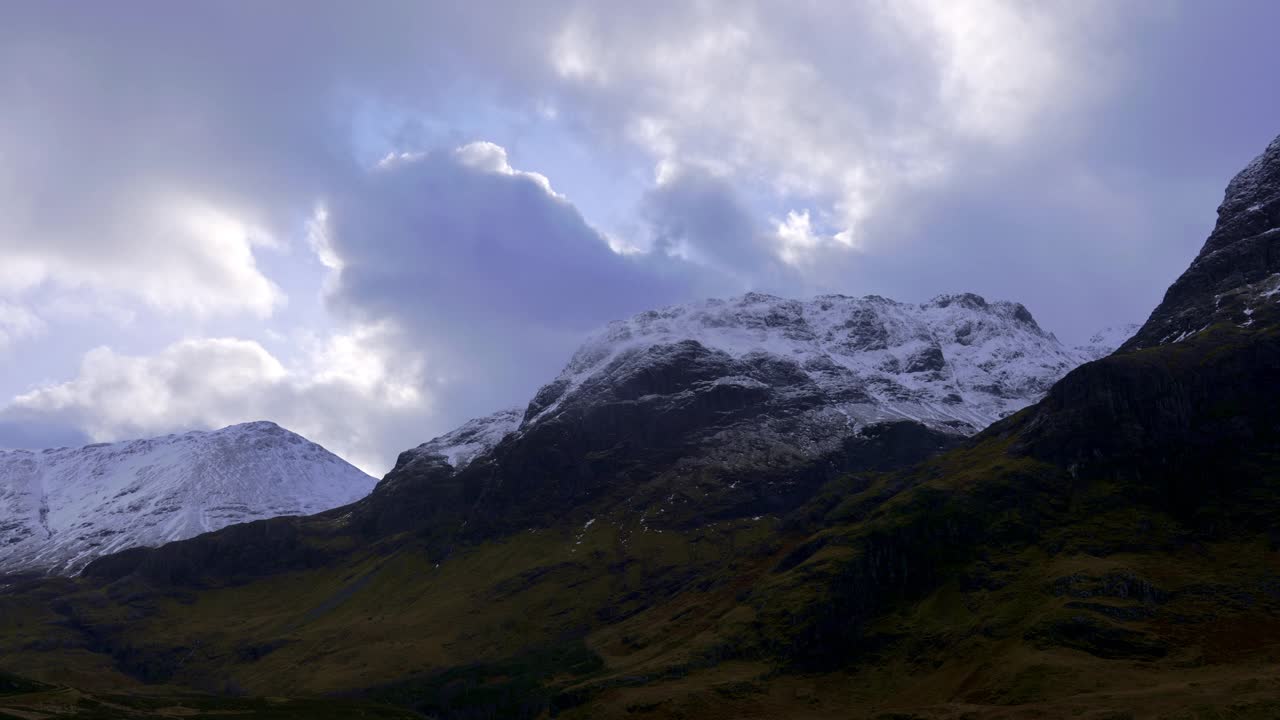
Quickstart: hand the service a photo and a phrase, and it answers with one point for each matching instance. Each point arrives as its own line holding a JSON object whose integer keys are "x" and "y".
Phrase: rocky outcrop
{"x": 1237, "y": 271}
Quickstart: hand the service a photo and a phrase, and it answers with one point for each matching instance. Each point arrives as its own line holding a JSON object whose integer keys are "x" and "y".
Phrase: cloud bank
{"x": 371, "y": 224}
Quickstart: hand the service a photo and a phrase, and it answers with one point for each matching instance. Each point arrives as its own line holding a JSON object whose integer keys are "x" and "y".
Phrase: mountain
{"x": 956, "y": 363}
{"x": 61, "y": 508}
{"x": 471, "y": 439}
{"x": 671, "y": 533}
{"x": 746, "y": 404}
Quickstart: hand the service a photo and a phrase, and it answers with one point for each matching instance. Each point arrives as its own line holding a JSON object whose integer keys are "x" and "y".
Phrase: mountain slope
{"x": 61, "y": 508}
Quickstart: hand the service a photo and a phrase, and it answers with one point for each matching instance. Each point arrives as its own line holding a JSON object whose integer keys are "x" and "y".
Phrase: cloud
{"x": 699, "y": 216}
{"x": 852, "y": 105}
{"x": 187, "y": 163}
{"x": 349, "y": 394}
{"x": 121, "y": 177}
{"x": 17, "y": 322}
{"x": 490, "y": 273}
{"x": 186, "y": 143}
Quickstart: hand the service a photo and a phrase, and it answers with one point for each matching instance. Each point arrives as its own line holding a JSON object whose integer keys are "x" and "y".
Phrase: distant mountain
{"x": 1105, "y": 341}
{"x": 61, "y": 508}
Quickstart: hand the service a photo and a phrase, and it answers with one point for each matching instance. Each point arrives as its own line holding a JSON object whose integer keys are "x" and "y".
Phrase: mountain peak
{"x": 256, "y": 426}
{"x": 1257, "y": 184}
{"x": 1237, "y": 271}
{"x": 60, "y": 508}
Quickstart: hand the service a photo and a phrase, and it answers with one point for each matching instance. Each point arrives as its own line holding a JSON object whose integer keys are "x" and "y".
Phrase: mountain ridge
{"x": 954, "y": 364}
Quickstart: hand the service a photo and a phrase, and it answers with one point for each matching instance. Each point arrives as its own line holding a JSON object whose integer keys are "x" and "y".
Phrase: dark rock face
{"x": 928, "y": 360}
{"x": 1239, "y": 262}
{"x": 423, "y": 491}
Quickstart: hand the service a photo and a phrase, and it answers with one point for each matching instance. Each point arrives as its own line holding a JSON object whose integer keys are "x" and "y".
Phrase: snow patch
{"x": 474, "y": 438}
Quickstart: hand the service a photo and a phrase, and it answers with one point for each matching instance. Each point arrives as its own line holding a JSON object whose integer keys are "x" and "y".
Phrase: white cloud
{"x": 491, "y": 157}
{"x": 849, "y": 106}
{"x": 350, "y": 394}
{"x": 797, "y": 238}
{"x": 17, "y": 322}
{"x": 1001, "y": 63}
{"x": 175, "y": 255}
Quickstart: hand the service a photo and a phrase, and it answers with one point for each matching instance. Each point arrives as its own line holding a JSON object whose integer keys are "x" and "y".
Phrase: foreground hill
{"x": 61, "y": 508}
{"x": 1109, "y": 552}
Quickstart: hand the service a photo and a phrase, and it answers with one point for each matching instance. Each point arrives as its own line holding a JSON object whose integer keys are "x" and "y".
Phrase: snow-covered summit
{"x": 60, "y": 508}
{"x": 957, "y": 362}
{"x": 1255, "y": 184}
{"x": 473, "y": 438}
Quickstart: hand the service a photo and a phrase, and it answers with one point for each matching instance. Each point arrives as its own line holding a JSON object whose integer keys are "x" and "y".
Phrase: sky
{"x": 370, "y": 222}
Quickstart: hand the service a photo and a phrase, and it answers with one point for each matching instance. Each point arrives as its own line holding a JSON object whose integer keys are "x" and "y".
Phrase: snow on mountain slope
{"x": 1105, "y": 341}
{"x": 956, "y": 363}
{"x": 474, "y": 437}
{"x": 61, "y": 508}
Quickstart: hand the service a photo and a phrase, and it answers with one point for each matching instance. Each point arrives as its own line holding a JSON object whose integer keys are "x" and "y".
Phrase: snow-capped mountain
{"x": 956, "y": 363}
{"x": 1105, "y": 341}
{"x": 731, "y": 408}
{"x": 61, "y": 508}
{"x": 474, "y": 437}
